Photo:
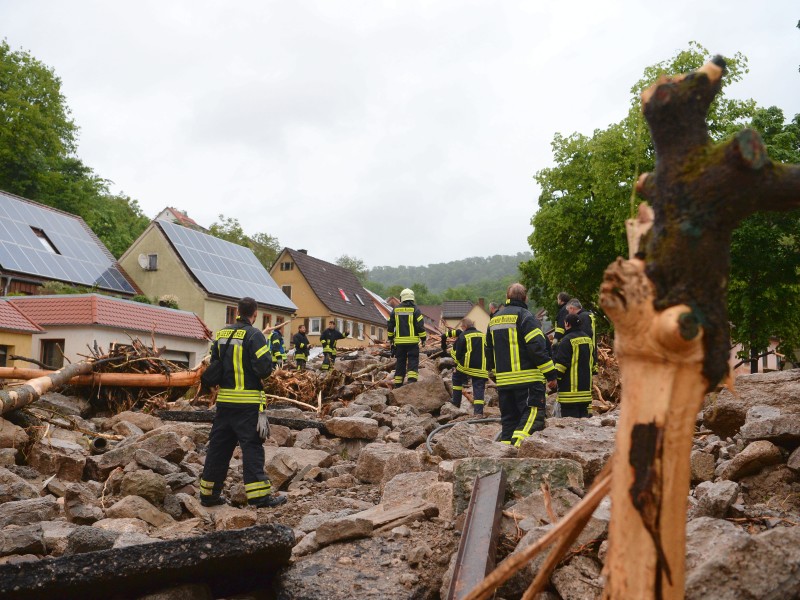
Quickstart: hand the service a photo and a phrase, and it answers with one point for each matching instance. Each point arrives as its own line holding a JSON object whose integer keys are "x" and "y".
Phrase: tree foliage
{"x": 586, "y": 196}
{"x": 354, "y": 265}
{"x": 38, "y": 142}
{"x": 266, "y": 247}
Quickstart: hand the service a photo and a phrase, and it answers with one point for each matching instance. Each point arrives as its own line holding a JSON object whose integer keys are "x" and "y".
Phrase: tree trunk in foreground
{"x": 30, "y": 392}
{"x": 668, "y": 306}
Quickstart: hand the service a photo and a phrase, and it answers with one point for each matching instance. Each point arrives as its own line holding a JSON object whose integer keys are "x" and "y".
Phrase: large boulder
{"x": 523, "y": 476}
{"x": 464, "y": 440}
{"x": 726, "y": 563}
{"x": 64, "y": 459}
{"x": 26, "y": 512}
{"x": 166, "y": 445}
{"x": 282, "y": 464}
{"x": 353, "y": 427}
{"x": 424, "y": 485}
{"x": 28, "y": 539}
{"x": 81, "y": 505}
{"x": 583, "y": 440}
{"x": 12, "y": 436}
{"x": 13, "y": 487}
{"x": 372, "y": 461}
{"x": 751, "y": 460}
{"x": 428, "y": 394}
{"x": 145, "y": 483}
{"x": 725, "y": 412}
{"x": 135, "y": 507}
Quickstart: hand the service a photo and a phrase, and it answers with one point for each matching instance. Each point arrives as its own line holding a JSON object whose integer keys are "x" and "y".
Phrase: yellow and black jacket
{"x": 406, "y": 325}
{"x": 246, "y": 362}
{"x": 300, "y": 342}
{"x": 588, "y": 327}
{"x": 559, "y": 329}
{"x": 516, "y": 348}
{"x": 573, "y": 361}
{"x": 278, "y": 350}
{"x": 468, "y": 352}
{"x": 329, "y": 338}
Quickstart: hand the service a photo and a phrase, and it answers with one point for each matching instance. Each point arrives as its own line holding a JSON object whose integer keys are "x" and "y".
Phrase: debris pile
{"x": 373, "y": 513}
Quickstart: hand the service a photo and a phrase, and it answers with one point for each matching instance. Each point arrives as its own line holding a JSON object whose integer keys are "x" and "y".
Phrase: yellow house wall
{"x": 215, "y": 311}
{"x": 18, "y": 343}
{"x": 480, "y": 317}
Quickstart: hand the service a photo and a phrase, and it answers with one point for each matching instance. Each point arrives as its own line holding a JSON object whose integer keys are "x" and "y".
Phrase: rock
{"x": 155, "y": 463}
{"x": 341, "y": 482}
{"x": 13, "y": 487}
{"x": 149, "y": 485}
{"x": 307, "y": 545}
{"x": 531, "y": 509}
{"x": 12, "y": 436}
{"x": 375, "y": 400}
{"x": 579, "y": 580}
{"x": 192, "y": 505}
{"x": 28, "y": 539}
{"x": 8, "y": 456}
{"x": 463, "y": 440}
{"x": 55, "y": 534}
{"x": 314, "y": 519}
{"x": 120, "y": 526}
{"x": 751, "y": 460}
{"x": 179, "y": 480}
{"x": 127, "y": 429}
{"x": 703, "y": 465}
{"x": 282, "y": 436}
{"x": 523, "y": 476}
{"x": 451, "y": 411}
{"x": 339, "y": 530}
{"x": 427, "y": 395}
{"x": 794, "y": 461}
{"x": 166, "y": 445}
{"x": 353, "y": 427}
{"x": 189, "y": 591}
{"x": 143, "y": 421}
{"x": 126, "y": 540}
{"x": 64, "y": 459}
{"x": 27, "y": 512}
{"x": 726, "y": 563}
{"x": 88, "y": 539}
{"x": 419, "y": 553}
{"x": 372, "y": 461}
{"x": 411, "y": 437}
{"x": 406, "y": 461}
{"x": 306, "y": 438}
{"x": 725, "y": 413}
{"x": 81, "y": 506}
{"x": 582, "y": 440}
{"x": 132, "y": 507}
{"x": 283, "y": 463}
{"x": 783, "y": 430}
{"x": 423, "y": 485}
{"x": 714, "y": 499}
{"x": 230, "y": 517}
{"x": 64, "y": 405}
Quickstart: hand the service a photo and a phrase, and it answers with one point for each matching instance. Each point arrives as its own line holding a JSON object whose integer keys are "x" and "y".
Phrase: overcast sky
{"x": 398, "y": 132}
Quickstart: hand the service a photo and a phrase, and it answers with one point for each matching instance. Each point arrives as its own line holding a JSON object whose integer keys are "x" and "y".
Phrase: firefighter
{"x": 468, "y": 352}
{"x": 516, "y": 350}
{"x": 277, "y": 348}
{"x": 573, "y": 361}
{"x": 448, "y": 333}
{"x": 587, "y": 320}
{"x": 328, "y": 340}
{"x": 405, "y": 330}
{"x": 245, "y": 362}
{"x": 562, "y": 299}
{"x": 301, "y": 347}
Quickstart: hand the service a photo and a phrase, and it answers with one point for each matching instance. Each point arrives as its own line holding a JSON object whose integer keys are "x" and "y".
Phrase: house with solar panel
{"x": 16, "y": 335}
{"x": 324, "y": 291}
{"x": 206, "y": 274}
{"x": 39, "y": 244}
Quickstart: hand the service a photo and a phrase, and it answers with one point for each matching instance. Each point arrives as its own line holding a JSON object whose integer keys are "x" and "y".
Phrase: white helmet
{"x": 407, "y": 294}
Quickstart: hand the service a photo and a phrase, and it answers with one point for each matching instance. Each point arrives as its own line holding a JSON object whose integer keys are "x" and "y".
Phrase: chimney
{"x": 481, "y": 303}
{"x": 302, "y": 251}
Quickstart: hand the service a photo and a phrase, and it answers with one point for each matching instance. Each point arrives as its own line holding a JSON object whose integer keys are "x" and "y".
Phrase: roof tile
{"x": 11, "y": 319}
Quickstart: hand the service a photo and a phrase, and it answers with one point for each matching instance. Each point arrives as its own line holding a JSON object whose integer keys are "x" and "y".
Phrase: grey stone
{"x": 782, "y": 430}
{"x": 58, "y": 457}
{"x": 166, "y": 445}
{"x": 126, "y": 525}
{"x": 726, "y": 563}
{"x": 372, "y": 461}
{"x": 282, "y": 464}
{"x": 794, "y": 460}
{"x": 64, "y": 405}
{"x": 12, "y": 436}
{"x": 81, "y": 505}
{"x": 463, "y": 440}
{"x": 423, "y": 485}
{"x": 751, "y": 460}
{"x": 411, "y": 437}
{"x": 133, "y": 507}
{"x": 155, "y": 463}
{"x": 133, "y": 539}
{"x": 307, "y": 545}
{"x": 8, "y": 456}
{"x": 582, "y": 440}
{"x": 339, "y": 530}
{"x": 715, "y": 499}
{"x": 179, "y": 480}
{"x": 407, "y": 462}
{"x": 314, "y": 519}
{"x": 579, "y": 580}
{"x": 375, "y": 400}
{"x": 523, "y": 476}
{"x": 55, "y": 534}
{"x": 13, "y": 487}
{"x": 89, "y": 539}
{"x": 142, "y": 420}
{"x": 428, "y": 394}
{"x": 28, "y": 539}
{"x": 26, "y": 512}
{"x": 306, "y": 438}
{"x": 127, "y": 429}
{"x": 702, "y": 466}
{"x": 145, "y": 483}
{"x": 353, "y": 427}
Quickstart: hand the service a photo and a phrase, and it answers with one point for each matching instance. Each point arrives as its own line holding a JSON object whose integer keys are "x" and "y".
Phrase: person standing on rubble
{"x": 468, "y": 352}
{"x": 301, "y": 347}
{"x": 405, "y": 330}
{"x": 517, "y": 352}
{"x": 245, "y": 356}
{"x": 562, "y": 299}
{"x": 328, "y": 340}
{"x": 587, "y": 320}
{"x": 573, "y": 361}
{"x": 277, "y": 348}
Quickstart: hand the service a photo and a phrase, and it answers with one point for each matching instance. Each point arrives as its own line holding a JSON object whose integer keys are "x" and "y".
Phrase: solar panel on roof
{"x": 79, "y": 260}
{"x": 224, "y": 268}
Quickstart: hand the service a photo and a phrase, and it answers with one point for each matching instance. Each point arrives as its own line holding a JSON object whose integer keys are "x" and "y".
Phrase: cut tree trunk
{"x": 142, "y": 380}
{"x": 30, "y": 392}
{"x": 671, "y": 325}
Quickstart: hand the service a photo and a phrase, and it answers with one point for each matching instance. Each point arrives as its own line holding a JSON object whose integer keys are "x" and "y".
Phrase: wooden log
{"x": 230, "y": 562}
{"x": 143, "y": 380}
{"x": 35, "y": 387}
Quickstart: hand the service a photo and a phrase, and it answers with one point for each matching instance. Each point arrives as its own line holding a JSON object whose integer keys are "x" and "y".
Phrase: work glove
{"x": 262, "y": 426}
{"x": 391, "y": 349}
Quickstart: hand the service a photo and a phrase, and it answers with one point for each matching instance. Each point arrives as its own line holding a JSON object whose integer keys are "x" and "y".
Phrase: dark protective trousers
{"x": 327, "y": 360}
{"x": 578, "y": 410}
{"x": 522, "y": 411}
{"x": 406, "y": 353}
{"x": 301, "y": 364}
{"x": 478, "y": 389}
{"x": 235, "y": 423}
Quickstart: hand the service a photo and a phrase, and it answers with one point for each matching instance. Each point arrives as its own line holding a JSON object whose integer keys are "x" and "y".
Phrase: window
{"x": 287, "y": 266}
{"x": 313, "y": 325}
{"x": 361, "y": 331}
{"x": 287, "y": 289}
{"x": 340, "y": 324}
{"x": 349, "y": 328}
{"x": 380, "y": 335}
{"x": 343, "y": 295}
{"x": 152, "y": 262}
{"x": 230, "y": 314}
{"x": 359, "y": 299}
{"x": 4, "y": 352}
{"x": 45, "y": 241}
{"x": 278, "y": 320}
{"x": 372, "y": 330}
{"x": 266, "y": 321}
{"x": 53, "y": 353}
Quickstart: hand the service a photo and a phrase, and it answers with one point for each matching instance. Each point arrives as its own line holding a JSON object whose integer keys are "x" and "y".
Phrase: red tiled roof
{"x": 11, "y": 319}
{"x": 183, "y": 218}
{"x": 432, "y": 312}
{"x": 94, "y": 309}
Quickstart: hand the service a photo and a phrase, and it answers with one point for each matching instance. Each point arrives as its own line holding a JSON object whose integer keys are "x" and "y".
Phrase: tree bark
{"x": 30, "y": 392}
{"x": 143, "y": 380}
{"x": 668, "y": 306}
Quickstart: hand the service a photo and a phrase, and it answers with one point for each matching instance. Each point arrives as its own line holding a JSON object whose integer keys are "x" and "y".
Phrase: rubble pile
{"x": 373, "y": 513}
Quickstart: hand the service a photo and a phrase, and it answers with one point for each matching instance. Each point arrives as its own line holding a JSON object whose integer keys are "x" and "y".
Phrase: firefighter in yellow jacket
{"x": 517, "y": 351}
{"x": 245, "y": 357}
{"x": 468, "y": 352}
{"x": 573, "y": 361}
{"x": 405, "y": 330}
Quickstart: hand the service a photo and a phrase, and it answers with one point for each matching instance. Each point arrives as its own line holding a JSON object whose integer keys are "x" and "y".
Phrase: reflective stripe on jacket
{"x": 468, "y": 352}
{"x": 329, "y": 338}
{"x": 246, "y": 362}
{"x": 406, "y": 324}
{"x": 573, "y": 361}
{"x": 300, "y": 342}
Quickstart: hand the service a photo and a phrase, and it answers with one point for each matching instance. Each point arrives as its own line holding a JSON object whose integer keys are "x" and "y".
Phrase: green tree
{"x": 579, "y": 228}
{"x": 354, "y": 265}
{"x": 266, "y": 247}
{"x": 38, "y": 141}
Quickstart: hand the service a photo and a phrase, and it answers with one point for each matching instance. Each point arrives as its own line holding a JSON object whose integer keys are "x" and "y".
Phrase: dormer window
{"x": 45, "y": 241}
{"x": 359, "y": 299}
{"x": 344, "y": 296}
